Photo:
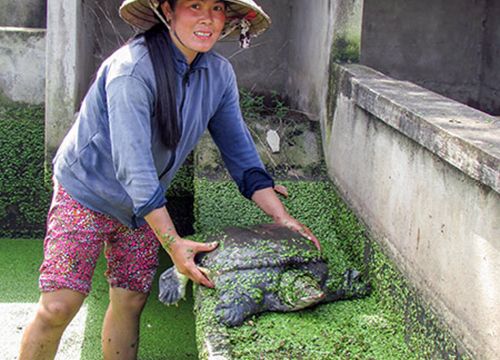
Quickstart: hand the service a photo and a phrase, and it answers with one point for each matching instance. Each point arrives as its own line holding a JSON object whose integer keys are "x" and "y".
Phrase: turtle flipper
{"x": 353, "y": 288}
{"x": 235, "y": 307}
{"x": 172, "y": 286}
{"x": 354, "y": 285}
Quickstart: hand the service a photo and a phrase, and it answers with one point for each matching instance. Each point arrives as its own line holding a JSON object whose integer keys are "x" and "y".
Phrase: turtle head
{"x": 299, "y": 289}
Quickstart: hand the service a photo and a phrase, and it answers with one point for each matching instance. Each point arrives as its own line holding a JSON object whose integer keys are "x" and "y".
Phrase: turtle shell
{"x": 260, "y": 246}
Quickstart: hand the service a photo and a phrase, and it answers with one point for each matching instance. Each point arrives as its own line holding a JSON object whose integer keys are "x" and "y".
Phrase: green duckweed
{"x": 385, "y": 325}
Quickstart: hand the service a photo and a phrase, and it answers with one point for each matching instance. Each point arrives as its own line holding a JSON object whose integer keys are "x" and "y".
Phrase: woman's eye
{"x": 195, "y": 6}
{"x": 219, "y": 8}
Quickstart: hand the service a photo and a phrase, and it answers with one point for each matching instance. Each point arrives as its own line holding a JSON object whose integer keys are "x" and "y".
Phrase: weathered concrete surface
{"x": 446, "y": 46}
{"x": 106, "y": 31}
{"x": 489, "y": 95}
{"x": 299, "y": 156}
{"x": 25, "y": 13}
{"x": 314, "y": 27}
{"x": 264, "y": 66}
{"x": 466, "y": 138}
{"x": 67, "y": 58}
{"x": 22, "y": 60}
{"x": 394, "y": 150}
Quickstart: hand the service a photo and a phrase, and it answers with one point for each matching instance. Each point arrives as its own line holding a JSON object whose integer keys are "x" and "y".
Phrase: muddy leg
{"x": 120, "y": 332}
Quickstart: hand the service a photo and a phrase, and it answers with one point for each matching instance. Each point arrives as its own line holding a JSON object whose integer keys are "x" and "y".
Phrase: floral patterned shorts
{"x": 75, "y": 238}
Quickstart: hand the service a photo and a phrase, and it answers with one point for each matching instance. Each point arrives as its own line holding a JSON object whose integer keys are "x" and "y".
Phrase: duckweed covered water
{"x": 382, "y": 326}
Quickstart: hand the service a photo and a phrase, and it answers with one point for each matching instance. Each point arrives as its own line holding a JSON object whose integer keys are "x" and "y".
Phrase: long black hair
{"x": 162, "y": 57}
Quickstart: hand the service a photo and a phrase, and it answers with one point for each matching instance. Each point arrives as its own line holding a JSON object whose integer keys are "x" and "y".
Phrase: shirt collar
{"x": 180, "y": 62}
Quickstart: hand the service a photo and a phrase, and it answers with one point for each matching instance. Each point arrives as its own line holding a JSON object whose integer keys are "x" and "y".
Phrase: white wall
{"x": 22, "y": 60}
{"x": 423, "y": 172}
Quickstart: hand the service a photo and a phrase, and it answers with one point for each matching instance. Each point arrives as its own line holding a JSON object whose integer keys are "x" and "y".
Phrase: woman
{"x": 151, "y": 102}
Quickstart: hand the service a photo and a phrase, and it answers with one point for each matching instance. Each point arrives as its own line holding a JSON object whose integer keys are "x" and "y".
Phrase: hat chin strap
{"x": 241, "y": 23}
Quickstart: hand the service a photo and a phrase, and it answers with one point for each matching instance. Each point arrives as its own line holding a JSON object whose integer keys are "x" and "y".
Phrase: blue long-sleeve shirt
{"x": 113, "y": 161}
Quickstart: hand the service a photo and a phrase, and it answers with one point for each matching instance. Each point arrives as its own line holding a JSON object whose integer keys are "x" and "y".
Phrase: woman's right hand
{"x": 183, "y": 252}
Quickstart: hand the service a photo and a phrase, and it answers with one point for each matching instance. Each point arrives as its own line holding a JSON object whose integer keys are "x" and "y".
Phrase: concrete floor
{"x": 15, "y": 316}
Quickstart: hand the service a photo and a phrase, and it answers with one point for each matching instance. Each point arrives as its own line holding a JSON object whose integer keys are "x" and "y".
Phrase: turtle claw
{"x": 235, "y": 308}
{"x": 172, "y": 286}
{"x": 354, "y": 286}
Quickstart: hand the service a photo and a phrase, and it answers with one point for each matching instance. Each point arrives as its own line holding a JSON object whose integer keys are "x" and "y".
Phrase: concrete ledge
{"x": 462, "y": 136}
{"x": 22, "y": 60}
{"x": 422, "y": 172}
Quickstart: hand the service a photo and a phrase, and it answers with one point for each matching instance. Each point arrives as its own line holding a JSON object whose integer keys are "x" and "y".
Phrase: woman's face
{"x": 196, "y": 24}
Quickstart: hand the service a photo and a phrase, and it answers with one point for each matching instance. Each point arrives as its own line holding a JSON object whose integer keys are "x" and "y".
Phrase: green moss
{"x": 346, "y": 50}
{"x": 24, "y": 198}
{"x": 165, "y": 331}
{"x": 343, "y": 50}
{"x": 19, "y": 262}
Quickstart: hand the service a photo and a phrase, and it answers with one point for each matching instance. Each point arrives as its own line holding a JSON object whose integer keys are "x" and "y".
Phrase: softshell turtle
{"x": 263, "y": 268}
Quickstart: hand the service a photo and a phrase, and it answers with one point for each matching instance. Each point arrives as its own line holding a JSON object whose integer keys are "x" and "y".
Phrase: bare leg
{"x": 120, "y": 331}
{"x": 55, "y": 311}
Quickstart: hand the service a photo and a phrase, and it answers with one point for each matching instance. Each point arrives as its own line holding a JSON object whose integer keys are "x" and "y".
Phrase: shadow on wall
{"x": 446, "y": 46}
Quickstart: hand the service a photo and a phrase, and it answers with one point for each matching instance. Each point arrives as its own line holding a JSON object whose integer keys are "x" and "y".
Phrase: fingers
{"x": 304, "y": 231}
{"x": 206, "y": 247}
{"x": 183, "y": 258}
{"x": 282, "y": 190}
{"x": 307, "y": 233}
{"x": 199, "y": 276}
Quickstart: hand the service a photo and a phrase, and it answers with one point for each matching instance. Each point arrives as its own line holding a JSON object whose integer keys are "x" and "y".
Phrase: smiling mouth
{"x": 203, "y": 34}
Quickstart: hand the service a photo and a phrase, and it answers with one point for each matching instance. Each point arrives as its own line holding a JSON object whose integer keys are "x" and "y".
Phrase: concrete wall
{"x": 423, "y": 172}
{"x": 313, "y": 30}
{"x": 66, "y": 45}
{"x": 23, "y": 13}
{"x": 264, "y": 66}
{"x": 436, "y": 44}
{"x": 446, "y": 46}
{"x": 22, "y": 51}
{"x": 489, "y": 96}
{"x": 22, "y": 60}
{"x": 106, "y": 31}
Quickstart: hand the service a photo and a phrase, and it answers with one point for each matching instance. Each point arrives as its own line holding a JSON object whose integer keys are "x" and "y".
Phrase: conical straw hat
{"x": 139, "y": 14}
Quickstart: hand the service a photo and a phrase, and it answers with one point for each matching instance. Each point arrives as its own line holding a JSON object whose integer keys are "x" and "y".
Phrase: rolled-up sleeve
{"x": 236, "y": 145}
{"x": 130, "y": 105}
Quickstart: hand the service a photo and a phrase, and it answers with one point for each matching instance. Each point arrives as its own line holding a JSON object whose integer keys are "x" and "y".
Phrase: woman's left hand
{"x": 269, "y": 202}
{"x": 295, "y": 225}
